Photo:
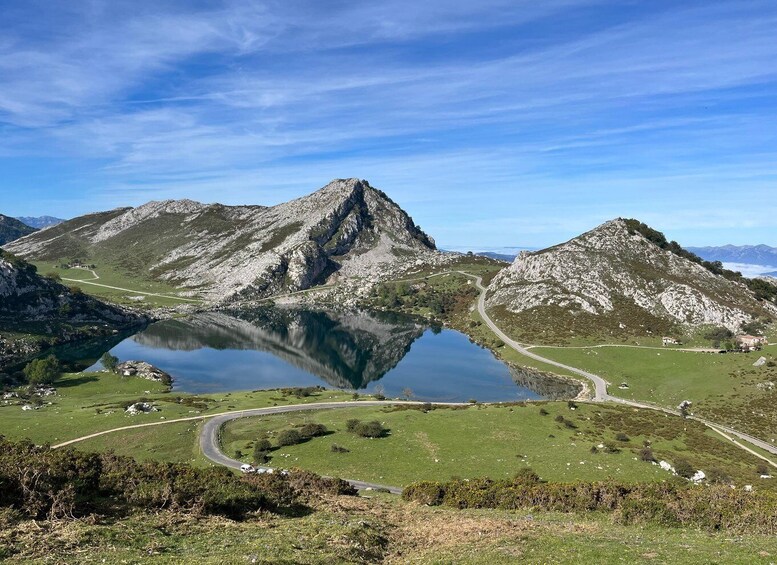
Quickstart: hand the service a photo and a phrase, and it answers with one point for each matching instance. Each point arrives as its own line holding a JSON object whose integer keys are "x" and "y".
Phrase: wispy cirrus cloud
{"x": 577, "y": 108}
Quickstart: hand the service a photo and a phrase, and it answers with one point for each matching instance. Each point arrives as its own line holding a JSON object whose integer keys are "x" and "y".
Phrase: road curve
{"x": 600, "y": 385}
{"x": 210, "y": 434}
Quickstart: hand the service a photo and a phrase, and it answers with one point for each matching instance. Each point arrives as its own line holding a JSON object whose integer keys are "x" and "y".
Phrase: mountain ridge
{"x": 618, "y": 277}
{"x": 12, "y": 229}
{"x": 40, "y": 222}
{"x": 760, "y": 254}
{"x": 347, "y": 229}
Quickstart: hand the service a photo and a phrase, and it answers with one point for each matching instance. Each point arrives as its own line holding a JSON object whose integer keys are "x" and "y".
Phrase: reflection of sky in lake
{"x": 442, "y": 366}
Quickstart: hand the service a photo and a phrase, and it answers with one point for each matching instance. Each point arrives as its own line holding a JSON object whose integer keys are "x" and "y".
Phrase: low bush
{"x": 311, "y": 430}
{"x": 373, "y": 429}
{"x": 339, "y": 449}
{"x": 646, "y": 454}
{"x": 289, "y": 437}
{"x": 672, "y": 503}
{"x": 43, "y": 483}
{"x": 683, "y": 468}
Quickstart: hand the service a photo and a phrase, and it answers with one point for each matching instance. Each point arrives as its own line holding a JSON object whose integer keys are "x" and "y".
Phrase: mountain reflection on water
{"x": 276, "y": 347}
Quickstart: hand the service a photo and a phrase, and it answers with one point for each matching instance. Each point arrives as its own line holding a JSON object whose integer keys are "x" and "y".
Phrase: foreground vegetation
{"x": 711, "y": 508}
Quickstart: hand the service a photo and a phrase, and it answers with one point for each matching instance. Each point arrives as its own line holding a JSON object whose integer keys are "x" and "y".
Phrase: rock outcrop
{"x": 346, "y": 230}
{"x": 48, "y": 311}
{"x": 613, "y": 278}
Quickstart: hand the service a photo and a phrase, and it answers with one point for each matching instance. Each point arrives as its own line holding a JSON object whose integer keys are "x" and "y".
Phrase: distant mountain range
{"x": 12, "y": 229}
{"x": 40, "y": 222}
{"x": 748, "y": 254}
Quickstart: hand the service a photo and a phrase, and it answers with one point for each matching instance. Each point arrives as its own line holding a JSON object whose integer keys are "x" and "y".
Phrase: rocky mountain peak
{"x": 622, "y": 276}
{"x": 347, "y": 229}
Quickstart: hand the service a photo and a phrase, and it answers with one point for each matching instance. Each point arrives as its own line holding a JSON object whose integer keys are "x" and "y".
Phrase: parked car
{"x": 246, "y": 468}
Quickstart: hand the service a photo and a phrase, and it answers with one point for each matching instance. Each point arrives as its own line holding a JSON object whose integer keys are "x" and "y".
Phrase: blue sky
{"x": 494, "y": 123}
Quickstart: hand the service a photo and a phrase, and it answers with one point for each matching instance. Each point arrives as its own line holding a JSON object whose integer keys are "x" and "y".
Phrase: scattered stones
{"x": 144, "y": 371}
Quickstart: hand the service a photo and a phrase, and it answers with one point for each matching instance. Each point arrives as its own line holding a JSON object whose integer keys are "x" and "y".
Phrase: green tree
{"x": 289, "y": 437}
{"x": 109, "y": 361}
{"x": 42, "y": 371}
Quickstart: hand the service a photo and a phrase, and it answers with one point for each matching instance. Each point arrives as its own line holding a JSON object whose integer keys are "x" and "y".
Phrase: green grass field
{"x": 90, "y": 402}
{"x": 112, "y": 277}
{"x": 725, "y": 388}
{"x": 493, "y": 441}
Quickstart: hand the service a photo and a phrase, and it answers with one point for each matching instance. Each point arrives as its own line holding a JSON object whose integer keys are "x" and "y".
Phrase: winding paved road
{"x": 600, "y": 384}
{"x": 210, "y": 443}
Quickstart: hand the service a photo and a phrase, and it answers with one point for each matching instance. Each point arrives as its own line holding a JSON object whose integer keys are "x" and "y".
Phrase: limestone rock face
{"x": 612, "y": 270}
{"x": 346, "y": 230}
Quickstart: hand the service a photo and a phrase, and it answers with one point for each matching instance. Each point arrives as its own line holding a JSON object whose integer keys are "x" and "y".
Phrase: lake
{"x": 364, "y": 351}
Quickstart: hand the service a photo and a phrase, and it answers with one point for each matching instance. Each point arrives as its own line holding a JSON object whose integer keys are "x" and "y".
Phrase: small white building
{"x": 751, "y": 342}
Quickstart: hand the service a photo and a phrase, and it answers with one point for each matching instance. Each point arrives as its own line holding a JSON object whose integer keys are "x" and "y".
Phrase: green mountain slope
{"x": 12, "y": 229}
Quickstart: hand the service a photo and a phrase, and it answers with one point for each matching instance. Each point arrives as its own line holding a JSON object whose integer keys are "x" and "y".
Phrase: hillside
{"x": 621, "y": 278}
{"x": 12, "y": 229}
{"x": 36, "y": 312}
{"x": 345, "y": 230}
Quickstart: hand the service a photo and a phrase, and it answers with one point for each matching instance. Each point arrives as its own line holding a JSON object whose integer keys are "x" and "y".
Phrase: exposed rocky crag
{"x": 12, "y": 229}
{"x": 613, "y": 279}
{"x": 48, "y": 311}
{"x": 344, "y": 231}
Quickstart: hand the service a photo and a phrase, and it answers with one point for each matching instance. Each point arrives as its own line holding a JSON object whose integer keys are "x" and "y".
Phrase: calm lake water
{"x": 364, "y": 351}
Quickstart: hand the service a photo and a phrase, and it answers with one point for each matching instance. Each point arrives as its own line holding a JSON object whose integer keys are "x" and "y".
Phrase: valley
{"x": 553, "y": 364}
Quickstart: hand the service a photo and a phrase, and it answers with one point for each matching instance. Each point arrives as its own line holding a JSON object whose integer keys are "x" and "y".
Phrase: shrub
{"x": 372, "y": 429}
{"x": 717, "y": 476}
{"x": 670, "y": 503}
{"x": 350, "y": 425}
{"x": 289, "y": 437}
{"x": 311, "y": 430}
{"x": 610, "y": 447}
{"x": 620, "y": 436}
{"x": 646, "y": 454}
{"x": 425, "y": 492}
{"x": 339, "y": 449}
{"x": 543, "y": 412}
{"x": 559, "y": 419}
{"x": 683, "y": 468}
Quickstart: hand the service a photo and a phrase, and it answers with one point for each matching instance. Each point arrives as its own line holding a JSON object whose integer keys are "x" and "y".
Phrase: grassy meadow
{"x": 128, "y": 284}
{"x": 494, "y": 441}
